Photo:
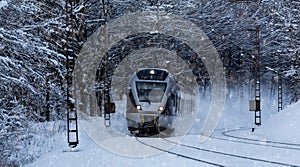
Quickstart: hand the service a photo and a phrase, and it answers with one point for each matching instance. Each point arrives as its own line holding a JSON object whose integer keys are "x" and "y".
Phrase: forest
{"x": 32, "y": 56}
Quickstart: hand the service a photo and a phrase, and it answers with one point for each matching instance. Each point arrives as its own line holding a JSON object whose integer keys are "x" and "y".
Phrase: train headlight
{"x": 161, "y": 108}
{"x": 152, "y": 72}
{"x": 138, "y": 107}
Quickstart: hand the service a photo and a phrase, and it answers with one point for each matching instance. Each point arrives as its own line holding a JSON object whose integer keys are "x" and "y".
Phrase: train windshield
{"x": 150, "y": 91}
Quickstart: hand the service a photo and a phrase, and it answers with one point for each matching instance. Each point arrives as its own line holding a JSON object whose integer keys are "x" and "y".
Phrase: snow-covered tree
{"x": 32, "y": 40}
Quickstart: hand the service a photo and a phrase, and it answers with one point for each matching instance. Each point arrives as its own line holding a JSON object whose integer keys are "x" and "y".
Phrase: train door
{"x": 172, "y": 105}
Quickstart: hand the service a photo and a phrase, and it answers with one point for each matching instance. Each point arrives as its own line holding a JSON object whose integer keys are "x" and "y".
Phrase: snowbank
{"x": 282, "y": 126}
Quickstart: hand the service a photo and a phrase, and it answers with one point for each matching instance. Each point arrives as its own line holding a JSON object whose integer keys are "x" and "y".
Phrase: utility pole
{"x": 109, "y": 107}
{"x": 72, "y": 124}
{"x": 257, "y": 114}
{"x": 279, "y": 86}
{"x": 255, "y": 104}
{"x": 48, "y": 89}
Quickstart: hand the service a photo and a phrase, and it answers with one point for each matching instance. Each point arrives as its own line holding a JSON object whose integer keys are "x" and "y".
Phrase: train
{"x": 153, "y": 100}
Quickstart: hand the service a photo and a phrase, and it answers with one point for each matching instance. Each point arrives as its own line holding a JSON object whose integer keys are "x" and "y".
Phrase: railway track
{"x": 253, "y": 142}
{"x": 226, "y": 133}
{"x": 264, "y": 143}
{"x": 181, "y": 155}
{"x": 233, "y": 155}
{"x": 214, "y": 152}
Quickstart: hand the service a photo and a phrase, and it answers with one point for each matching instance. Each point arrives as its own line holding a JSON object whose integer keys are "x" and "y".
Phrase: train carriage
{"x": 153, "y": 100}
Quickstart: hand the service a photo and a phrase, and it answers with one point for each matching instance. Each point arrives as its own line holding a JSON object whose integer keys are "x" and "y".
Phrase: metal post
{"x": 70, "y": 63}
{"x": 106, "y": 93}
{"x": 106, "y": 96}
{"x": 279, "y": 88}
{"x": 47, "y": 114}
{"x": 257, "y": 115}
{"x": 240, "y": 85}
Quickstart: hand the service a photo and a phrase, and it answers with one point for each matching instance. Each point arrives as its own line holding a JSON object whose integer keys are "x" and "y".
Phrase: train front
{"x": 148, "y": 102}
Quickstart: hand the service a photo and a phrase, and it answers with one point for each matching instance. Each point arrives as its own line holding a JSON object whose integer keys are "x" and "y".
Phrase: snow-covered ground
{"x": 275, "y": 143}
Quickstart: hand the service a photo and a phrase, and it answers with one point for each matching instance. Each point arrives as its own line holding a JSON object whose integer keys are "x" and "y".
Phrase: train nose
{"x": 145, "y": 105}
{"x": 153, "y": 107}
{"x": 148, "y": 117}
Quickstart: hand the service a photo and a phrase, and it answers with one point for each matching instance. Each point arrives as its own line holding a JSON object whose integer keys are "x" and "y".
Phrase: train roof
{"x": 158, "y": 69}
{"x": 152, "y": 74}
